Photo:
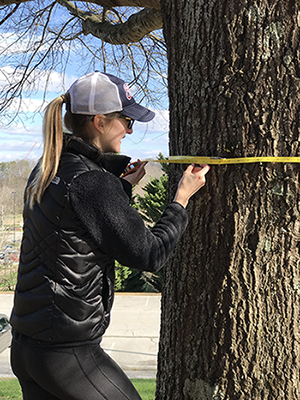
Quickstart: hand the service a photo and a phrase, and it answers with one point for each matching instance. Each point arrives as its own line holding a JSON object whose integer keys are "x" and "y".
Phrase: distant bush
{"x": 150, "y": 206}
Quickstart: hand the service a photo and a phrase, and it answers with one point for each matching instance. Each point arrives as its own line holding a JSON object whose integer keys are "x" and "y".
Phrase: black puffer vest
{"x": 65, "y": 282}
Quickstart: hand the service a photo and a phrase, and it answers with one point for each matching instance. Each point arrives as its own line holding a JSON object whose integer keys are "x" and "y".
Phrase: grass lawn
{"x": 10, "y": 388}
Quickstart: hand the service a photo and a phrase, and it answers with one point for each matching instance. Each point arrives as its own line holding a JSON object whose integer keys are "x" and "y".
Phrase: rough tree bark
{"x": 230, "y": 305}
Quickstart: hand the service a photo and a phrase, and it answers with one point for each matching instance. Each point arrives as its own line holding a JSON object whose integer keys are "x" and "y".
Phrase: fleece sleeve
{"x": 99, "y": 200}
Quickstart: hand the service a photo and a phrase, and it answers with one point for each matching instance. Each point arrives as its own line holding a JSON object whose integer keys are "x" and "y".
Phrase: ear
{"x": 99, "y": 123}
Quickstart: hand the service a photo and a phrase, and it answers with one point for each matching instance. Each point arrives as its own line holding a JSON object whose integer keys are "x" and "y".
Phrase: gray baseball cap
{"x": 101, "y": 93}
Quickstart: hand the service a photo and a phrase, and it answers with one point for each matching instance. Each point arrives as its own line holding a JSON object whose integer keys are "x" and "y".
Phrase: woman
{"x": 77, "y": 221}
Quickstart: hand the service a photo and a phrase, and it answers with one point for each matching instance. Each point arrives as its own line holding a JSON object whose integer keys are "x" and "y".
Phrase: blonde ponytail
{"x": 53, "y": 143}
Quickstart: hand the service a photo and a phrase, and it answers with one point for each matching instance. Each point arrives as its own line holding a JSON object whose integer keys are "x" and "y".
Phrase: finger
{"x": 143, "y": 164}
{"x": 199, "y": 168}
{"x": 190, "y": 168}
{"x": 205, "y": 169}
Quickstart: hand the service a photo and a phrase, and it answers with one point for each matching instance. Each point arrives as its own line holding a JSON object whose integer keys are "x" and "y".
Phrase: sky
{"x": 25, "y": 141}
{"x": 23, "y": 137}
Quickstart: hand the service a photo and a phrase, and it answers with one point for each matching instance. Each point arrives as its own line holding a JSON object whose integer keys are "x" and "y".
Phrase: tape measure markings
{"x": 219, "y": 161}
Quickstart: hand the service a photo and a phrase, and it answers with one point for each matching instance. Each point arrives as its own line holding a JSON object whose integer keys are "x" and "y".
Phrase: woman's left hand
{"x": 136, "y": 176}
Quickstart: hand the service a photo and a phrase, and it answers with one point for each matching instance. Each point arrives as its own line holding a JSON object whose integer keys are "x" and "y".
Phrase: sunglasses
{"x": 129, "y": 120}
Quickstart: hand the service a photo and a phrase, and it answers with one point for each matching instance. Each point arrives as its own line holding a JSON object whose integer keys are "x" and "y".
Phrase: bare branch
{"x": 155, "y": 4}
{"x": 37, "y": 45}
{"x": 131, "y": 3}
{"x": 9, "y": 2}
{"x": 133, "y": 30}
{"x": 9, "y": 14}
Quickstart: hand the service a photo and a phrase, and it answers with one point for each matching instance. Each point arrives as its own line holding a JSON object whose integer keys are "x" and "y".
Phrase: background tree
{"x": 230, "y": 306}
{"x": 122, "y": 273}
{"x": 13, "y": 179}
{"x": 42, "y": 40}
{"x": 230, "y": 310}
{"x": 155, "y": 197}
{"x": 150, "y": 205}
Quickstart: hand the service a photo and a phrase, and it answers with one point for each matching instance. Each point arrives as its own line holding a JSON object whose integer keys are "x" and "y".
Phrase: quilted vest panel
{"x": 65, "y": 283}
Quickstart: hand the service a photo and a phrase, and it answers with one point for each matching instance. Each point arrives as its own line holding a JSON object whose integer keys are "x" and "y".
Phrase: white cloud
{"x": 17, "y": 141}
{"x": 147, "y": 140}
{"x": 38, "y": 82}
{"x": 10, "y": 43}
{"x": 32, "y": 101}
{"x": 27, "y": 105}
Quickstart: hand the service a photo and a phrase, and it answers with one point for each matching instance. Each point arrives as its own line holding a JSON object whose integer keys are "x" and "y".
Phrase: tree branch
{"x": 133, "y": 30}
{"x": 9, "y": 14}
{"x": 130, "y": 3}
{"x": 9, "y": 2}
{"x": 155, "y": 4}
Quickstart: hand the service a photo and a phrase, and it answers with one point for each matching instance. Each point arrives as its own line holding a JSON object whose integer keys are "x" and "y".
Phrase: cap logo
{"x": 127, "y": 90}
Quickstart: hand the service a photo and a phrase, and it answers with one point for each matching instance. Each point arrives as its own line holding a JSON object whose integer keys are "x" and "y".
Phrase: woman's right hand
{"x": 192, "y": 180}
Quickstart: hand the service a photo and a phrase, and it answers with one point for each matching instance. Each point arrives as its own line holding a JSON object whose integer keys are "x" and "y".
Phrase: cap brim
{"x": 138, "y": 113}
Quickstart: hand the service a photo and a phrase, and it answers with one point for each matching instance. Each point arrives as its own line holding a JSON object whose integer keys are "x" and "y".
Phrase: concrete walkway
{"x": 131, "y": 339}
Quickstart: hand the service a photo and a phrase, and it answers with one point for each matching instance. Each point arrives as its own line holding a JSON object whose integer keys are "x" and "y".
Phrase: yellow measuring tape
{"x": 217, "y": 160}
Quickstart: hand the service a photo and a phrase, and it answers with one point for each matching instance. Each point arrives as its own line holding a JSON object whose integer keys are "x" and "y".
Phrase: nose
{"x": 129, "y": 131}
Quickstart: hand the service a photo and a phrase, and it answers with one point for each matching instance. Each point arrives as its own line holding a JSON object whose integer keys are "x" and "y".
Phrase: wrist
{"x": 181, "y": 200}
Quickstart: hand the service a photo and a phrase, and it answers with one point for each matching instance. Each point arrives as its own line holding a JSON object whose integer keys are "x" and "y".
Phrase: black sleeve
{"x": 127, "y": 187}
{"x": 102, "y": 205}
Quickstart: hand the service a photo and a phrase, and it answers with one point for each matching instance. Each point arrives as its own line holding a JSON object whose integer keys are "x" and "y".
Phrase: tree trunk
{"x": 230, "y": 304}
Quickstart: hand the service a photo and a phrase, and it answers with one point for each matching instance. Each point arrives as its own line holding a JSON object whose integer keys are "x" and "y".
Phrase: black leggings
{"x": 69, "y": 373}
